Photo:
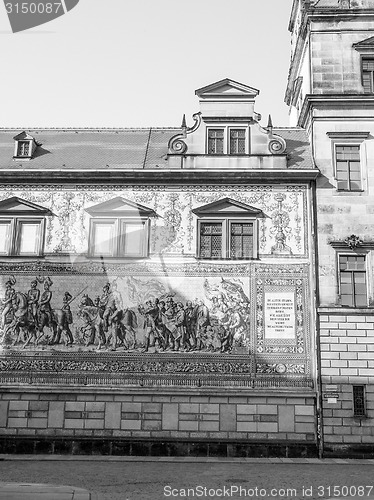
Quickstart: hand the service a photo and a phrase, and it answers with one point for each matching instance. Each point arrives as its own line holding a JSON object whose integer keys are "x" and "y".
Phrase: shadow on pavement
{"x": 29, "y": 491}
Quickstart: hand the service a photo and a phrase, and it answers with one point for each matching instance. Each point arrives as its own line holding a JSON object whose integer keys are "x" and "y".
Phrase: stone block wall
{"x": 129, "y": 416}
{"x": 336, "y": 65}
{"x": 347, "y": 359}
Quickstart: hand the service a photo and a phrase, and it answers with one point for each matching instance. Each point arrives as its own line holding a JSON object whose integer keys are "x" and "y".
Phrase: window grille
{"x": 359, "y": 407}
{"x": 237, "y": 141}
{"x": 241, "y": 240}
{"x": 211, "y": 240}
{"x": 23, "y": 148}
{"x": 353, "y": 289}
{"x": 215, "y": 141}
{"x": 348, "y": 170}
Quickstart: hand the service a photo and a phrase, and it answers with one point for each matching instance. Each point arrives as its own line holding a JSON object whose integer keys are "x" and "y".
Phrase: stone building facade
{"x": 331, "y": 95}
{"x": 158, "y": 286}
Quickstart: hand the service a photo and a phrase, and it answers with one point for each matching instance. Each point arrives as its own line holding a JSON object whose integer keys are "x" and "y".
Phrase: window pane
{"x": 103, "y": 238}
{"x": 133, "y": 239}
{"x": 367, "y": 75}
{"x": 241, "y": 244}
{"x": 4, "y": 237}
{"x": 347, "y": 300}
{"x": 23, "y": 148}
{"x": 237, "y": 141}
{"x": 361, "y": 301}
{"x": 215, "y": 141}
{"x": 29, "y": 238}
{"x": 355, "y": 186}
{"x": 211, "y": 240}
{"x": 216, "y": 246}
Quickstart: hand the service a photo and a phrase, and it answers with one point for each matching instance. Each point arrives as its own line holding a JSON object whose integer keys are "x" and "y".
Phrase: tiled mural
{"x": 241, "y": 319}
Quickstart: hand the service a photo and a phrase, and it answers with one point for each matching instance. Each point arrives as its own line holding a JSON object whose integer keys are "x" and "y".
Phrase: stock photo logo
{"x": 25, "y": 15}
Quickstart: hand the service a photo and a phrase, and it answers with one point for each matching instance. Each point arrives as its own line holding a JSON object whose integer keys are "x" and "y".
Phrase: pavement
{"x": 26, "y": 491}
{"x": 125, "y": 458}
{"x": 25, "y": 477}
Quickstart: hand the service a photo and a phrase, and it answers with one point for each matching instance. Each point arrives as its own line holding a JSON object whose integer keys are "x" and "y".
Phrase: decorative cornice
{"x": 153, "y": 176}
{"x": 348, "y": 135}
{"x": 340, "y": 100}
{"x": 141, "y": 370}
{"x": 352, "y": 242}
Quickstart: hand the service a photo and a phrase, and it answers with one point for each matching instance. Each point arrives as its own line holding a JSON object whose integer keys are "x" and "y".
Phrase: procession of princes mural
{"x": 126, "y": 314}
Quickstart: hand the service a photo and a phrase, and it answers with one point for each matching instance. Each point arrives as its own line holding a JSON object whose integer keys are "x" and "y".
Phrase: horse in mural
{"x": 21, "y": 324}
{"x": 118, "y": 331}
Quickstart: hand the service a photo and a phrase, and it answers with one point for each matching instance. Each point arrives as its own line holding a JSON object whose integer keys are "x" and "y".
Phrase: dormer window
{"x": 227, "y": 229}
{"x": 119, "y": 228}
{"x": 237, "y": 141}
{"x": 228, "y": 140}
{"x": 25, "y": 146}
{"x": 215, "y": 141}
{"x": 22, "y": 227}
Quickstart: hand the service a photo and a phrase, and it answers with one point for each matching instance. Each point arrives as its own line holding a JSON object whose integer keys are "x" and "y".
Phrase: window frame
{"x": 119, "y": 238}
{"x": 226, "y": 236}
{"x": 17, "y": 145}
{"x": 21, "y": 144}
{"x": 353, "y": 138}
{"x": 357, "y": 145}
{"x": 371, "y": 58}
{"x": 246, "y": 135}
{"x": 13, "y": 246}
{"x": 339, "y": 280}
{"x": 227, "y": 139}
{"x": 209, "y": 129}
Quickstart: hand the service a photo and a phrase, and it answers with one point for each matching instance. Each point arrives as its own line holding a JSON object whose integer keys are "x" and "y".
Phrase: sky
{"x": 137, "y": 63}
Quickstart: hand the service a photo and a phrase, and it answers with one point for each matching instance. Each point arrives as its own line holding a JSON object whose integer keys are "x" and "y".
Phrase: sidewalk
{"x": 24, "y": 491}
{"x": 120, "y": 458}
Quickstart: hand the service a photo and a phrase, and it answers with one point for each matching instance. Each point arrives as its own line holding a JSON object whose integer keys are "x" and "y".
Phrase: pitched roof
{"x": 101, "y": 149}
{"x": 298, "y": 150}
{"x": 118, "y": 149}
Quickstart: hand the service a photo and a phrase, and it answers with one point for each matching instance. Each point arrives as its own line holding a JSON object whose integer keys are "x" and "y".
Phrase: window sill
{"x": 346, "y": 310}
{"x": 351, "y": 191}
{"x": 222, "y": 259}
{"x": 20, "y": 257}
{"x": 110, "y": 257}
{"x": 22, "y": 158}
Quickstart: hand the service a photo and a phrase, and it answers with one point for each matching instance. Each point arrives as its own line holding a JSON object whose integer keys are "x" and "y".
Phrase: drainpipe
{"x": 319, "y": 401}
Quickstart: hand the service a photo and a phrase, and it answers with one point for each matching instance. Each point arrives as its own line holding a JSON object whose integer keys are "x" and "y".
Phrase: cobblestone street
{"x": 161, "y": 478}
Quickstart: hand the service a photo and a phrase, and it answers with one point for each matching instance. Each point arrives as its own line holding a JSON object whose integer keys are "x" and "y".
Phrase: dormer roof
{"x": 227, "y": 88}
{"x": 24, "y": 136}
